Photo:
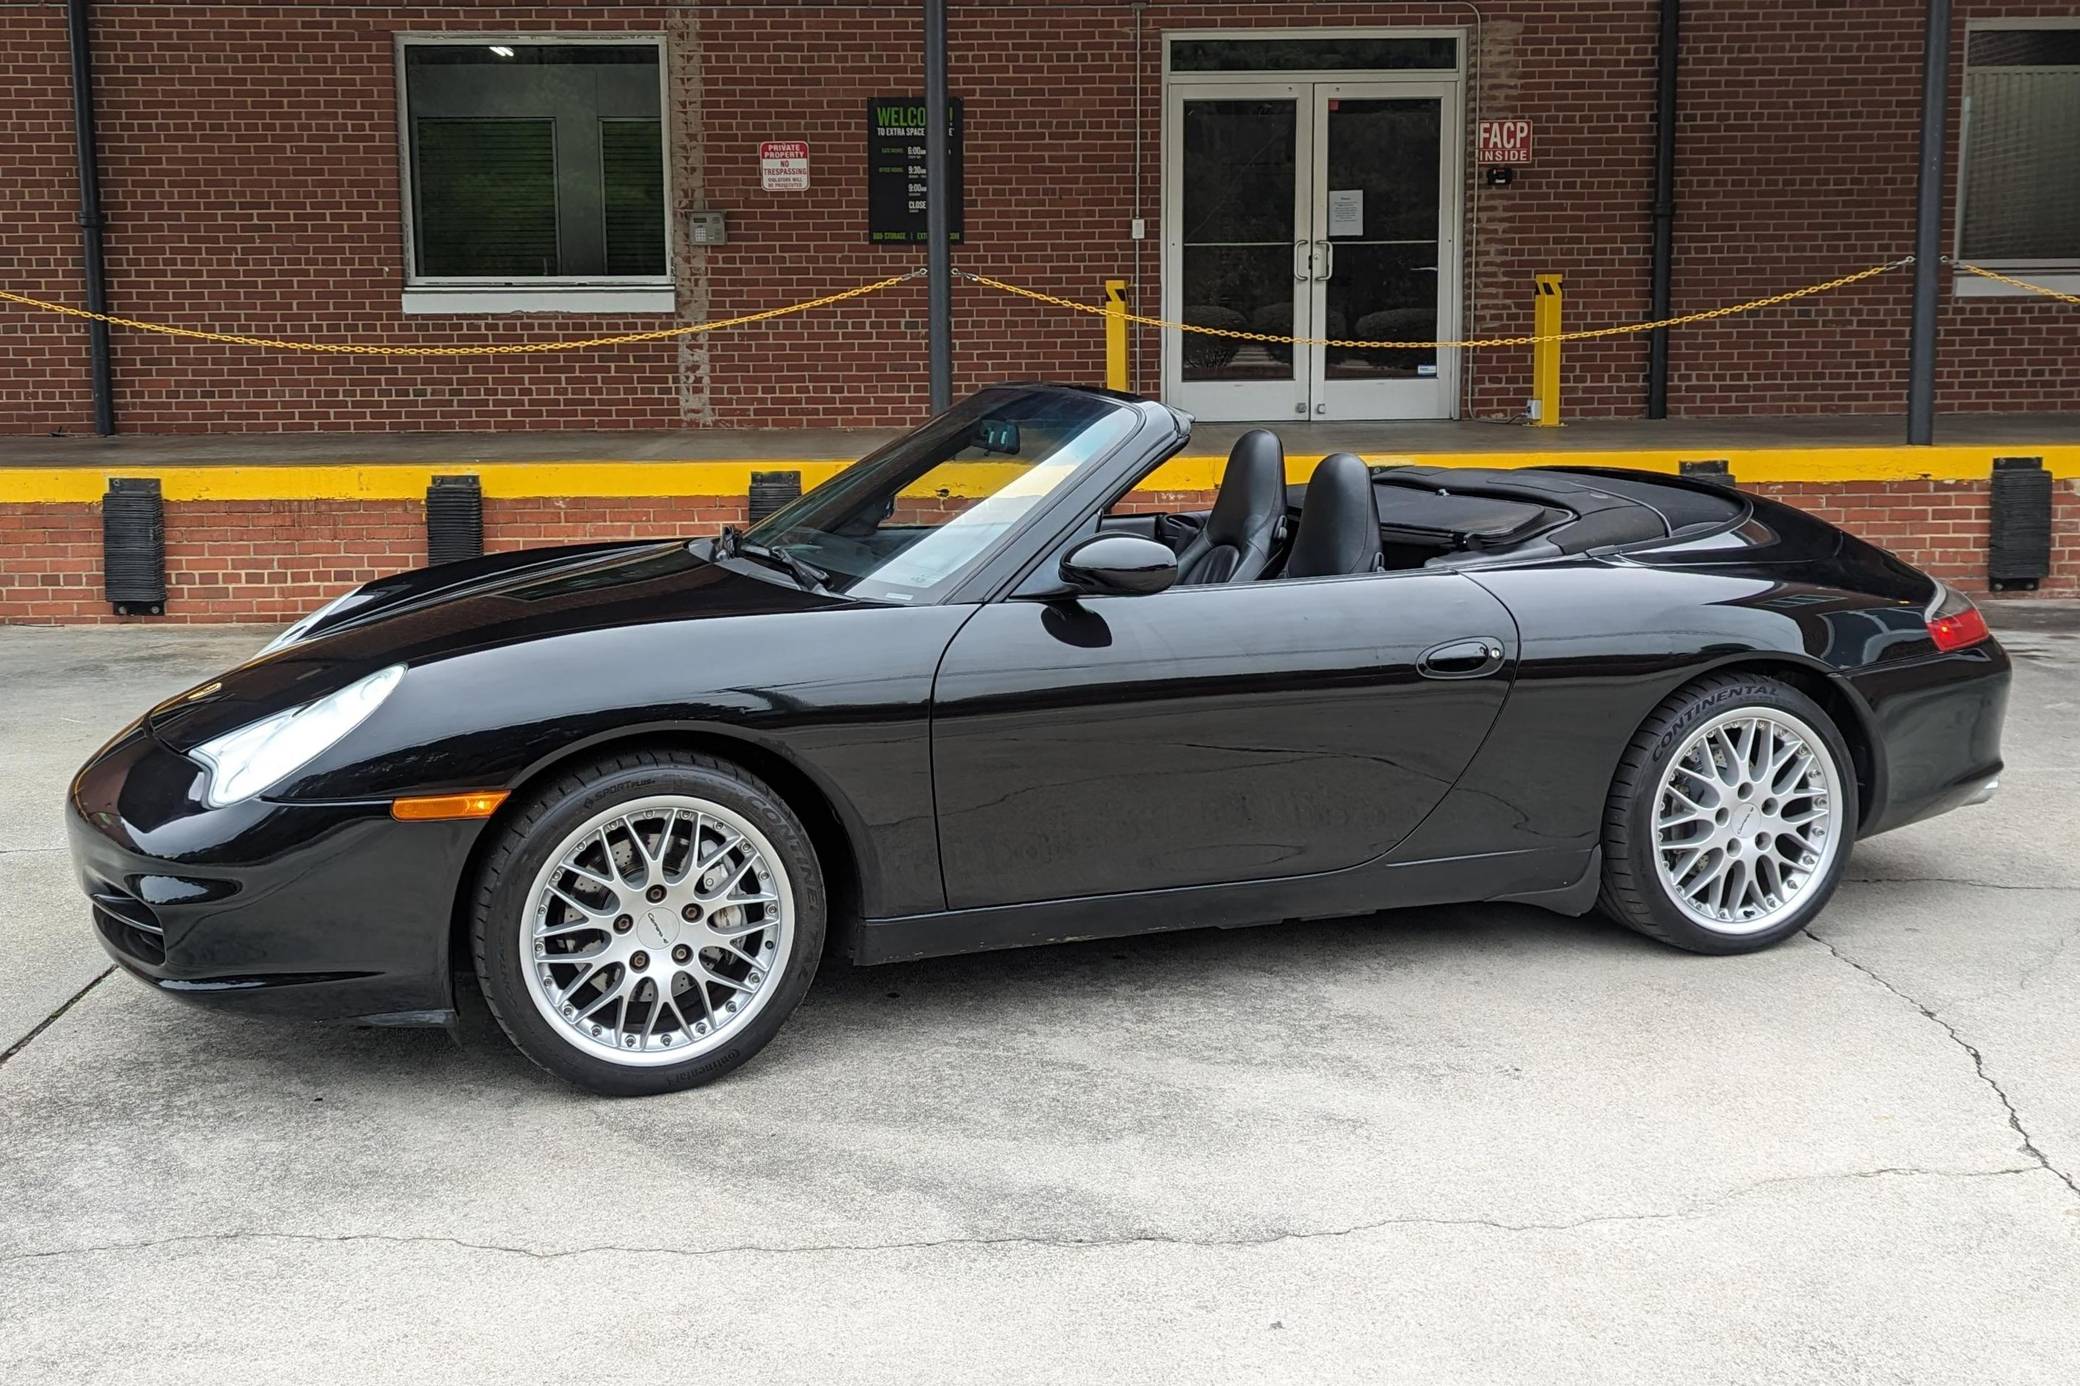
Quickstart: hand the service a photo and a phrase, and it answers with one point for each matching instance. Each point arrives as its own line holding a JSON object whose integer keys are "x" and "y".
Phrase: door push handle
{"x": 1461, "y": 659}
{"x": 1299, "y": 274}
{"x": 1328, "y": 250}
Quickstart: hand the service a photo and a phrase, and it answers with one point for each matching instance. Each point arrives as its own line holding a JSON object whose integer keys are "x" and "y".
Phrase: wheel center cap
{"x": 1746, "y": 816}
{"x": 658, "y": 928}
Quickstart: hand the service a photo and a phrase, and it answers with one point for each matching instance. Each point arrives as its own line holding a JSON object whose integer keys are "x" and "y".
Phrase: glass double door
{"x": 1312, "y": 209}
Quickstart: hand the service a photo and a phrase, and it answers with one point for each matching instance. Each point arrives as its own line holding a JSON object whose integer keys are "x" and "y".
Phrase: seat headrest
{"x": 1253, "y": 488}
{"x": 1339, "y": 521}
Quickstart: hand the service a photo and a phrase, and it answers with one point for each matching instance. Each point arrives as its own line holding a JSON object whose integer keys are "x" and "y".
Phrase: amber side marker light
{"x": 433, "y": 808}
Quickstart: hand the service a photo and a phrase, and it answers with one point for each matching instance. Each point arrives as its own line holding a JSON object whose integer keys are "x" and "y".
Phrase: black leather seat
{"x": 1248, "y": 515}
{"x": 1339, "y": 522}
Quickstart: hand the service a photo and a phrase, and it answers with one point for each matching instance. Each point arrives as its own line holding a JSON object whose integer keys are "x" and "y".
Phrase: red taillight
{"x": 1954, "y": 623}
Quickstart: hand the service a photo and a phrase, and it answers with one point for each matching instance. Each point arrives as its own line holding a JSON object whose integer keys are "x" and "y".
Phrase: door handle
{"x": 1328, "y": 250}
{"x": 1299, "y": 274}
{"x": 1471, "y": 658}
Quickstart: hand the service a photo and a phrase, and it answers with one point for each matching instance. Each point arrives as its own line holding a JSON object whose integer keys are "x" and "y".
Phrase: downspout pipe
{"x": 1928, "y": 226}
{"x": 90, "y": 212}
{"x": 1664, "y": 207}
{"x": 937, "y": 200}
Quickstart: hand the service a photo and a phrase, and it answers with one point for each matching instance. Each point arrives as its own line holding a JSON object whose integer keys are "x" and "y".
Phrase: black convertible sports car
{"x": 974, "y": 693}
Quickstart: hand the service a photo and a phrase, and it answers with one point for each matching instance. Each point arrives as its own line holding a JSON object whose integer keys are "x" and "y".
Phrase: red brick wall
{"x": 251, "y": 171}
{"x": 1938, "y": 526}
{"x": 250, "y": 176}
{"x": 273, "y": 560}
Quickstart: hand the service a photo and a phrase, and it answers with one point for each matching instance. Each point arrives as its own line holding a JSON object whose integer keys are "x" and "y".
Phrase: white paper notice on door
{"x": 1346, "y": 211}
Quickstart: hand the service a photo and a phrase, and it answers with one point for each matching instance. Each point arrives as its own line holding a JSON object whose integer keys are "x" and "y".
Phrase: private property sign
{"x": 783, "y": 166}
{"x": 1502, "y": 142}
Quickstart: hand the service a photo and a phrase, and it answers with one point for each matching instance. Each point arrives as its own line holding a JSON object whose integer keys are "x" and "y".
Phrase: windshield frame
{"x": 1148, "y": 425}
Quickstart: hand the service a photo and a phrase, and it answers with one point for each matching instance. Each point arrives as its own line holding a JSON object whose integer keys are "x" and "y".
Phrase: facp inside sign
{"x": 783, "y": 165}
{"x": 1503, "y": 142}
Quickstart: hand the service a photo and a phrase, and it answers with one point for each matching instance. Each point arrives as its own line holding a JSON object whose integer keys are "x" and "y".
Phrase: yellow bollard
{"x": 1115, "y": 334}
{"x": 1545, "y": 356}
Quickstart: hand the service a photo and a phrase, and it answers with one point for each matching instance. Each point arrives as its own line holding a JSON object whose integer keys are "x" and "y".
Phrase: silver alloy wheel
{"x": 653, "y": 933}
{"x": 1748, "y": 816}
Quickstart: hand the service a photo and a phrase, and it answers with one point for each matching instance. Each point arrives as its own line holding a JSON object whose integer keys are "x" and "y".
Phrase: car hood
{"x": 436, "y": 613}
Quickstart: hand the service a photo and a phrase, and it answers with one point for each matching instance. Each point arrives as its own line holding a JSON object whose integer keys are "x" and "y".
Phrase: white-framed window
{"x": 535, "y": 173}
{"x": 2018, "y": 193}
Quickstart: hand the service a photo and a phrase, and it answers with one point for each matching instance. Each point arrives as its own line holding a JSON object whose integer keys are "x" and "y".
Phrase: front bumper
{"x": 1935, "y": 725}
{"x": 317, "y": 911}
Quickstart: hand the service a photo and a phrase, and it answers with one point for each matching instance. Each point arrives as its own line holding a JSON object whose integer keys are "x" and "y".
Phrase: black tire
{"x": 1633, "y": 891}
{"x": 568, "y": 803}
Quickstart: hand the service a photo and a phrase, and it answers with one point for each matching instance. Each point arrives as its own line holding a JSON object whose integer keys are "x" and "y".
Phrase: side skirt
{"x": 1561, "y": 879}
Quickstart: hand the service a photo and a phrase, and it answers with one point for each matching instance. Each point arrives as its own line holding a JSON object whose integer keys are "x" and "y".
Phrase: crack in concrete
{"x": 44, "y": 1024}
{"x": 1026, "y": 1240}
{"x": 2029, "y": 1144}
{"x": 1954, "y": 880}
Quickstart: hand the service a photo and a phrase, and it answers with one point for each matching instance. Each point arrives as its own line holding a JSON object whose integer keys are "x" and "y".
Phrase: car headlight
{"x": 264, "y": 753}
{"x": 303, "y": 624}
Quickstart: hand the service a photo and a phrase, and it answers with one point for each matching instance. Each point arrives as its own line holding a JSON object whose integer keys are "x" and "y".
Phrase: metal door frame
{"x": 1452, "y": 138}
{"x": 1341, "y": 399}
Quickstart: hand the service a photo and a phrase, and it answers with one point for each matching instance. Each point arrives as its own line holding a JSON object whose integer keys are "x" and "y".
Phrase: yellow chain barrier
{"x": 1580, "y": 335}
{"x": 1002, "y": 286}
{"x": 2009, "y": 279}
{"x": 500, "y": 349}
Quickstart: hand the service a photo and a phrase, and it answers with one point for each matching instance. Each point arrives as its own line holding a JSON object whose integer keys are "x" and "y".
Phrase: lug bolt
{"x": 639, "y": 961}
{"x": 691, "y": 914}
{"x": 623, "y": 924}
{"x": 681, "y": 953}
{"x": 654, "y": 894}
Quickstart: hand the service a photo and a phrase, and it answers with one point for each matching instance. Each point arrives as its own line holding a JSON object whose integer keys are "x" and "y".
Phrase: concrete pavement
{"x": 1477, "y": 1144}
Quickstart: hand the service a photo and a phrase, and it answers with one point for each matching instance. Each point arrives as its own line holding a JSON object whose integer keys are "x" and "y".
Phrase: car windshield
{"x": 906, "y": 522}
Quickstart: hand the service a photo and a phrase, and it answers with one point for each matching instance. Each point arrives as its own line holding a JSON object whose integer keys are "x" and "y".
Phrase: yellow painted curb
{"x": 732, "y": 477}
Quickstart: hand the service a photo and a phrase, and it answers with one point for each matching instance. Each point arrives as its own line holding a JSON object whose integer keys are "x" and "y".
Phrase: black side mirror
{"x": 1119, "y": 565}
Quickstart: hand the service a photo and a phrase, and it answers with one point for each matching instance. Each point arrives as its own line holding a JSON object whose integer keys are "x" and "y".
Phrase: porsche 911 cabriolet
{"x": 983, "y": 689}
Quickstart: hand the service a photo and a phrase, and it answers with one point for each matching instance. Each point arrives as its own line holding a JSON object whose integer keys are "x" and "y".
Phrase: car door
{"x": 1206, "y": 734}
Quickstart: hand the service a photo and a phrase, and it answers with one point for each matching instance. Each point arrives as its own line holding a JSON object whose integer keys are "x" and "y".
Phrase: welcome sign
{"x": 895, "y": 169}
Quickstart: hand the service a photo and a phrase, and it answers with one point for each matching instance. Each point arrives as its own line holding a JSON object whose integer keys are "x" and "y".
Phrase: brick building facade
{"x": 253, "y": 182}
{"x": 255, "y": 179}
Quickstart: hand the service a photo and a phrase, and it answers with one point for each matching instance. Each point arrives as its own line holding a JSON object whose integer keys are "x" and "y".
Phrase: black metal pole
{"x": 90, "y": 213}
{"x": 1928, "y": 225}
{"x": 938, "y": 257}
{"x": 1664, "y": 208}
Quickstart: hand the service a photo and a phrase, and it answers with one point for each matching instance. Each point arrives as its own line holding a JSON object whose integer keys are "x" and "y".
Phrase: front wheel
{"x": 1731, "y": 817}
{"x": 648, "y": 922}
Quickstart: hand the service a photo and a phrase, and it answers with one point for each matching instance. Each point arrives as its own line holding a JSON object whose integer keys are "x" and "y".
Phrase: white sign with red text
{"x": 783, "y": 166}
{"x": 1502, "y": 142}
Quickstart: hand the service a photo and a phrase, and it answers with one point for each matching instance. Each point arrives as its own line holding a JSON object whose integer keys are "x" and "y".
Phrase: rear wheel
{"x": 1731, "y": 817}
{"x": 648, "y": 922}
